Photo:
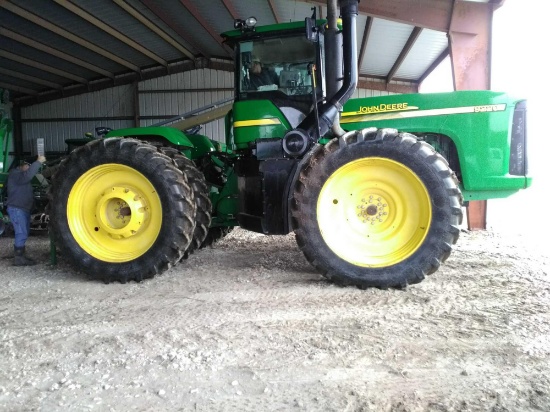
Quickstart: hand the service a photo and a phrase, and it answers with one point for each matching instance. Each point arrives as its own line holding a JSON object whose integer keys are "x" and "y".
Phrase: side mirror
{"x": 311, "y": 30}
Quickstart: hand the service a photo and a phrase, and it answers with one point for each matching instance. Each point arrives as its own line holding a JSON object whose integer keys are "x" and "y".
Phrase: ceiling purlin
{"x": 109, "y": 30}
{"x": 154, "y": 28}
{"x": 404, "y": 52}
{"x": 231, "y": 9}
{"x": 31, "y": 79}
{"x": 41, "y": 66}
{"x": 68, "y": 35}
{"x": 428, "y": 14}
{"x": 433, "y": 66}
{"x": 197, "y": 15}
{"x": 364, "y": 41}
{"x": 151, "y": 5}
{"x": 54, "y": 52}
{"x": 275, "y": 14}
{"x": 18, "y": 89}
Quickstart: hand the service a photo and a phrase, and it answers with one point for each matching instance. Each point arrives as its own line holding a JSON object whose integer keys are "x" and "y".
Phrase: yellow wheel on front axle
{"x": 374, "y": 212}
{"x": 114, "y": 213}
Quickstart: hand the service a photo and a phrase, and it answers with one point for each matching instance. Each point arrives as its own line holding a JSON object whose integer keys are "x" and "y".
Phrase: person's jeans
{"x": 21, "y": 221}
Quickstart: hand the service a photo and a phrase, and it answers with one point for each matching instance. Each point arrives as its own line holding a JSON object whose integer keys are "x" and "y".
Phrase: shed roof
{"x": 51, "y": 49}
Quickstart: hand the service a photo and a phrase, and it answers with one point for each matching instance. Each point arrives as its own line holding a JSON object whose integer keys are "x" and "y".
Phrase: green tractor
{"x": 373, "y": 188}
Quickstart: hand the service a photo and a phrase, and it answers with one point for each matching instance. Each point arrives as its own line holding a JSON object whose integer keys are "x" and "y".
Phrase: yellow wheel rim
{"x": 114, "y": 213}
{"x": 374, "y": 212}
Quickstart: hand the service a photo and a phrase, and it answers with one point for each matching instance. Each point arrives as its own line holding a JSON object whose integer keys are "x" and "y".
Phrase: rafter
{"x": 197, "y": 15}
{"x": 154, "y": 28}
{"x": 109, "y": 30}
{"x": 170, "y": 22}
{"x": 433, "y": 66}
{"x": 66, "y": 34}
{"x": 406, "y": 49}
{"x": 231, "y": 9}
{"x": 364, "y": 41}
{"x": 19, "y": 89}
{"x": 275, "y": 14}
{"x": 28, "y": 78}
{"x": 41, "y": 66}
{"x": 428, "y": 14}
{"x": 53, "y": 52}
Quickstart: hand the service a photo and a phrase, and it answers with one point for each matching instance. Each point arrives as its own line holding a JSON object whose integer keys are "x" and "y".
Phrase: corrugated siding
{"x": 158, "y": 101}
{"x": 162, "y": 98}
{"x": 104, "y": 104}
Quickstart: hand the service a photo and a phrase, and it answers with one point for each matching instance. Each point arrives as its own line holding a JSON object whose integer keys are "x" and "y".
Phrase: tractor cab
{"x": 278, "y": 69}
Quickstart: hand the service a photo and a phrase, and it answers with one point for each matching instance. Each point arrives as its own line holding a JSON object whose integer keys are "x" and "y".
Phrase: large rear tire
{"x": 120, "y": 210}
{"x": 376, "y": 208}
{"x": 196, "y": 180}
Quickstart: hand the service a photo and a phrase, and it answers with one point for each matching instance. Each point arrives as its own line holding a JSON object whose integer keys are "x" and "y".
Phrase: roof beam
{"x": 123, "y": 79}
{"x": 19, "y": 89}
{"x": 41, "y": 66}
{"x": 154, "y": 28}
{"x": 403, "y": 55}
{"x": 231, "y": 9}
{"x": 364, "y": 42}
{"x": 170, "y": 22}
{"x": 433, "y": 66}
{"x": 428, "y": 14}
{"x": 53, "y": 52}
{"x": 28, "y": 78}
{"x": 197, "y": 15}
{"x": 275, "y": 14}
{"x": 108, "y": 29}
{"x": 64, "y": 33}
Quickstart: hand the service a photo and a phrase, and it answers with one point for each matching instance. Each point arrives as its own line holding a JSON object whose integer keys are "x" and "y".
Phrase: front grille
{"x": 518, "y": 148}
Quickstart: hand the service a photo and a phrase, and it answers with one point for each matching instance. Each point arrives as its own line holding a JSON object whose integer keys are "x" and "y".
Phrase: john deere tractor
{"x": 373, "y": 188}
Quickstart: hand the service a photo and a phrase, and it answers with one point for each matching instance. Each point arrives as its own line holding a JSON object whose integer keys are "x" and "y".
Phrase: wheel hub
{"x": 373, "y": 210}
{"x": 120, "y": 212}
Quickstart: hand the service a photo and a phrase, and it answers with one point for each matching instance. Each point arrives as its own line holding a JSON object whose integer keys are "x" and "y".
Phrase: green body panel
{"x": 201, "y": 145}
{"x": 478, "y": 122}
{"x": 225, "y": 202}
{"x": 174, "y": 136}
{"x": 6, "y": 126}
{"x": 249, "y": 118}
{"x": 194, "y": 145}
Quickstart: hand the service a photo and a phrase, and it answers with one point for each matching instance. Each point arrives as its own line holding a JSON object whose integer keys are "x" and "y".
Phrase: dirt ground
{"x": 249, "y": 326}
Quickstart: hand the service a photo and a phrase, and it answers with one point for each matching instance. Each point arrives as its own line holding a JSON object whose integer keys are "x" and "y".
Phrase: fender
{"x": 174, "y": 136}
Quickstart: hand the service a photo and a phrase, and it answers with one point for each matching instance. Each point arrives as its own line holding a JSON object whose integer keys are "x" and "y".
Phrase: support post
{"x": 470, "y": 48}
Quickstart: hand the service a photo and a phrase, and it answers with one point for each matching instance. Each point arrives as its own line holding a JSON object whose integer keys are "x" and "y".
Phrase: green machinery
{"x": 6, "y": 126}
{"x": 373, "y": 188}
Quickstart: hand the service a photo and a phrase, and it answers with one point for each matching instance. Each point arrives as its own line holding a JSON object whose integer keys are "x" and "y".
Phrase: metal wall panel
{"x": 55, "y": 133}
{"x": 65, "y": 118}
{"x": 173, "y": 95}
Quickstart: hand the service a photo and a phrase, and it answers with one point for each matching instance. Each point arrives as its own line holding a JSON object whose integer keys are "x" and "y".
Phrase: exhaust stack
{"x": 328, "y": 112}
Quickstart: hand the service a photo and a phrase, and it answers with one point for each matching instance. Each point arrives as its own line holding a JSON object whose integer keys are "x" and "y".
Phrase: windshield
{"x": 277, "y": 64}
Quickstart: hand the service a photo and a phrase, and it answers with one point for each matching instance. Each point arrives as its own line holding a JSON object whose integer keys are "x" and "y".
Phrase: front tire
{"x": 377, "y": 208}
{"x": 120, "y": 210}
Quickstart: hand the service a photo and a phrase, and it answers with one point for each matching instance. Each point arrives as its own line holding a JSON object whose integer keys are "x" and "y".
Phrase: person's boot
{"x": 21, "y": 259}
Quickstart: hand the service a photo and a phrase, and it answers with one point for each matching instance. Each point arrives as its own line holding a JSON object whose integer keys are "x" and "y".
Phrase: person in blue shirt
{"x": 19, "y": 205}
